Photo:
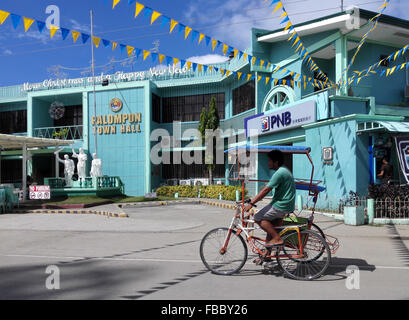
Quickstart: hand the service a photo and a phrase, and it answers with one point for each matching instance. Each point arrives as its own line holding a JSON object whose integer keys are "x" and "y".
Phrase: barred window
{"x": 244, "y": 97}
{"x": 13, "y": 122}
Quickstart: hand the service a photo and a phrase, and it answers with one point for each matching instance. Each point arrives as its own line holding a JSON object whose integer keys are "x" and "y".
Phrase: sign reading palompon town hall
{"x": 108, "y": 124}
{"x": 284, "y": 119}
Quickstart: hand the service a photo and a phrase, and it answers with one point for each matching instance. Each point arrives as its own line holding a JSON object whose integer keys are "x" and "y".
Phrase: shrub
{"x": 210, "y": 192}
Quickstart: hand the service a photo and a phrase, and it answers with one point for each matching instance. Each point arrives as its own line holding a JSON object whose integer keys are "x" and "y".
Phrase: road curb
{"x": 103, "y": 213}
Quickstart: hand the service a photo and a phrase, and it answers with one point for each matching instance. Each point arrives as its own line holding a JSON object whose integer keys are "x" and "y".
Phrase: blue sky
{"x": 33, "y": 57}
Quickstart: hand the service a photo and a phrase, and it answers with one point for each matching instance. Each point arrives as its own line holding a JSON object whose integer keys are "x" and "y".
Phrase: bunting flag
{"x": 374, "y": 21}
{"x": 115, "y": 2}
{"x": 27, "y": 23}
{"x": 198, "y": 37}
{"x": 301, "y": 50}
{"x": 96, "y": 41}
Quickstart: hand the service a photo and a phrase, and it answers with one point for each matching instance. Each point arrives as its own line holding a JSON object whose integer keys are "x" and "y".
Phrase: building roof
{"x": 11, "y": 142}
{"x": 390, "y": 30}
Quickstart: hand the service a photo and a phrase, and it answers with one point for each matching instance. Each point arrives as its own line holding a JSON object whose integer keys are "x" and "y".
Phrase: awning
{"x": 267, "y": 149}
{"x": 391, "y": 126}
{"x": 10, "y": 142}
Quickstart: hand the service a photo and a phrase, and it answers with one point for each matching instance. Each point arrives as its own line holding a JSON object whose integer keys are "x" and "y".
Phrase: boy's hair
{"x": 276, "y": 155}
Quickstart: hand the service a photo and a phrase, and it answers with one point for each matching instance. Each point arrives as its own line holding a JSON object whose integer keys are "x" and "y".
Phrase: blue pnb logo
{"x": 280, "y": 121}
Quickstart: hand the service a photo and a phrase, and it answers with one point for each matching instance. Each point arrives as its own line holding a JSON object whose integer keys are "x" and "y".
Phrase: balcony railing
{"x": 63, "y": 133}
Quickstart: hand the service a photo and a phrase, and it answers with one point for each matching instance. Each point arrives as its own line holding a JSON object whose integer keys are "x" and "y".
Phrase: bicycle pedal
{"x": 258, "y": 261}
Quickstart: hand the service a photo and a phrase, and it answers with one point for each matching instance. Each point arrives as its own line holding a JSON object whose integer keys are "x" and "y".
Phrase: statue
{"x": 69, "y": 168}
{"x": 96, "y": 167}
{"x": 82, "y": 163}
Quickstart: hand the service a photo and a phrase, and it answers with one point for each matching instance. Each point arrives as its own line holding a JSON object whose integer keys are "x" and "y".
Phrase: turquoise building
{"x": 349, "y": 129}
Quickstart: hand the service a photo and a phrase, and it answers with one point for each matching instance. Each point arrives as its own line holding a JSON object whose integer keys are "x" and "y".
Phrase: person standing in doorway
{"x": 386, "y": 171}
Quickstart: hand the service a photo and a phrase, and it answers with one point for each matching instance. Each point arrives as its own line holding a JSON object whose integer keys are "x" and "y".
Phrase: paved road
{"x": 154, "y": 254}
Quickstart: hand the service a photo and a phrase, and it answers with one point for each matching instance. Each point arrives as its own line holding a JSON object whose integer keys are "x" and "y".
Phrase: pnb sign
{"x": 288, "y": 118}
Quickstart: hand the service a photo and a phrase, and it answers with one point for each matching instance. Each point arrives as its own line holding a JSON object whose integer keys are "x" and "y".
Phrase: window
{"x": 189, "y": 108}
{"x": 13, "y": 122}
{"x": 244, "y": 98}
{"x": 155, "y": 108}
{"x": 72, "y": 117}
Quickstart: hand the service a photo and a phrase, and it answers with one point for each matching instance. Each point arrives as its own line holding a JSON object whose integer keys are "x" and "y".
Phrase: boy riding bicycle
{"x": 282, "y": 204}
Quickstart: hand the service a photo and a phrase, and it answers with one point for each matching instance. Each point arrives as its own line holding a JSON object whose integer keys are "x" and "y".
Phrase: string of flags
{"x": 358, "y": 75}
{"x": 374, "y": 22}
{"x": 298, "y": 80}
{"x": 295, "y": 39}
{"x": 196, "y": 36}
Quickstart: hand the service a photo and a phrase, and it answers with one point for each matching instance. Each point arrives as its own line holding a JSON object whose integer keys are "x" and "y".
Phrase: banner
{"x": 402, "y": 146}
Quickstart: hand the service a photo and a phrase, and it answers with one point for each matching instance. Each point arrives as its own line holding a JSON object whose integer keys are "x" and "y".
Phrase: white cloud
{"x": 208, "y": 59}
{"x": 7, "y": 52}
{"x": 76, "y": 26}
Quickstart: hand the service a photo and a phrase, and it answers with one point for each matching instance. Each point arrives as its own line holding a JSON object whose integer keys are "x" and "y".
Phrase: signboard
{"x": 284, "y": 119}
{"x": 402, "y": 145}
{"x": 40, "y": 193}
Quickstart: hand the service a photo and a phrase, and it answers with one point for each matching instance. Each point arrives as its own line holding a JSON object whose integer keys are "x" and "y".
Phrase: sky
{"x": 34, "y": 57}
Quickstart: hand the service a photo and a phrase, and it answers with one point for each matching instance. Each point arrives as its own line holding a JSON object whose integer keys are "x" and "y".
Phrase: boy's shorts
{"x": 270, "y": 214}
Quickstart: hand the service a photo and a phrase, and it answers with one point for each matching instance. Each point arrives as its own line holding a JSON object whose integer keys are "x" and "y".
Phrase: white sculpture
{"x": 69, "y": 168}
{"x": 82, "y": 163}
{"x": 96, "y": 167}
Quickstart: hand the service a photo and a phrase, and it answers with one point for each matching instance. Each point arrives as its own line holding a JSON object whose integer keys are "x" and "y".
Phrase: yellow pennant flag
{"x": 138, "y": 9}
{"x": 210, "y": 68}
{"x": 114, "y": 45}
{"x": 267, "y": 80}
{"x": 161, "y": 58}
{"x": 114, "y": 3}
{"x": 225, "y": 47}
{"x": 254, "y": 60}
{"x": 259, "y": 78}
{"x": 396, "y": 54}
{"x": 146, "y": 54}
{"x": 268, "y": 65}
{"x": 248, "y": 77}
{"x": 3, "y": 16}
{"x": 173, "y": 24}
{"x": 155, "y": 15}
{"x": 239, "y": 74}
{"x": 53, "y": 30}
{"x": 228, "y": 73}
{"x": 201, "y": 37}
{"x": 288, "y": 26}
{"x": 284, "y": 82}
{"x": 75, "y": 35}
{"x": 214, "y": 43}
{"x": 245, "y": 56}
{"x": 292, "y": 36}
{"x": 236, "y": 52}
{"x": 276, "y": 82}
{"x": 296, "y": 41}
{"x": 187, "y": 32}
{"x": 279, "y": 5}
{"x": 96, "y": 41}
{"x": 27, "y": 23}
{"x": 175, "y": 61}
{"x": 200, "y": 67}
{"x": 129, "y": 49}
{"x": 284, "y": 15}
{"x": 189, "y": 65}
{"x": 393, "y": 70}
{"x": 261, "y": 63}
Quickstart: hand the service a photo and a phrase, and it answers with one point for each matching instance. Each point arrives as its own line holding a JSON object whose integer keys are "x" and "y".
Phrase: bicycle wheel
{"x": 219, "y": 260}
{"x": 315, "y": 258}
{"x": 317, "y": 229}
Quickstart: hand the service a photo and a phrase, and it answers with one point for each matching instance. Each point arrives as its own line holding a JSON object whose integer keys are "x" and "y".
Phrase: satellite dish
{"x": 57, "y": 110}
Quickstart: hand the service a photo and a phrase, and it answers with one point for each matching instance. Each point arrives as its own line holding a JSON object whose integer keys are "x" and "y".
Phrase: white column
{"x": 24, "y": 186}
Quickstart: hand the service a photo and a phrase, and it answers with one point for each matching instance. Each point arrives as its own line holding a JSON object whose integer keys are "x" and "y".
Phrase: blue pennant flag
{"x": 285, "y": 20}
{"x": 41, "y": 26}
{"x": 182, "y": 63}
{"x": 131, "y": 1}
{"x": 169, "y": 60}
{"x": 122, "y": 46}
{"x": 218, "y": 44}
{"x": 137, "y": 53}
{"x": 240, "y": 54}
{"x": 106, "y": 43}
{"x": 154, "y": 57}
{"x": 182, "y": 28}
{"x": 205, "y": 68}
{"x": 250, "y": 58}
{"x": 64, "y": 33}
{"x": 194, "y": 35}
{"x": 15, "y": 19}
{"x": 165, "y": 21}
{"x": 194, "y": 67}
{"x": 407, "y": 66}
{"x": 207, "y": 40}
{"x": 382, "y": 73}
{"x": 85, "y": 37}
{"x": 274, "y": 2}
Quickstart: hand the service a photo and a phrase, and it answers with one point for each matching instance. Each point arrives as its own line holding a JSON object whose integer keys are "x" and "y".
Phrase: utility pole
{"x": 93, "y": 78}
{"x": 342, "y": 5}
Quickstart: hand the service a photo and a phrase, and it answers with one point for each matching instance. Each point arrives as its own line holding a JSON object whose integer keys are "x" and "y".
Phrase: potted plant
{"x": 61, "y": 134}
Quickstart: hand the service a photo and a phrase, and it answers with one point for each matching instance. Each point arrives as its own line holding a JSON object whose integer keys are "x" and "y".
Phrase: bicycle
{"x": 306, "y": 254}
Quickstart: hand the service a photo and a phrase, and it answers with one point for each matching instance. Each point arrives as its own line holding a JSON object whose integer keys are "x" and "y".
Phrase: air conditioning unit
{"x": 201, "y": 182}
{"x": 172, "y": 182}
{"x": 220, "y": 182}
{"x": 185, "y": 182}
